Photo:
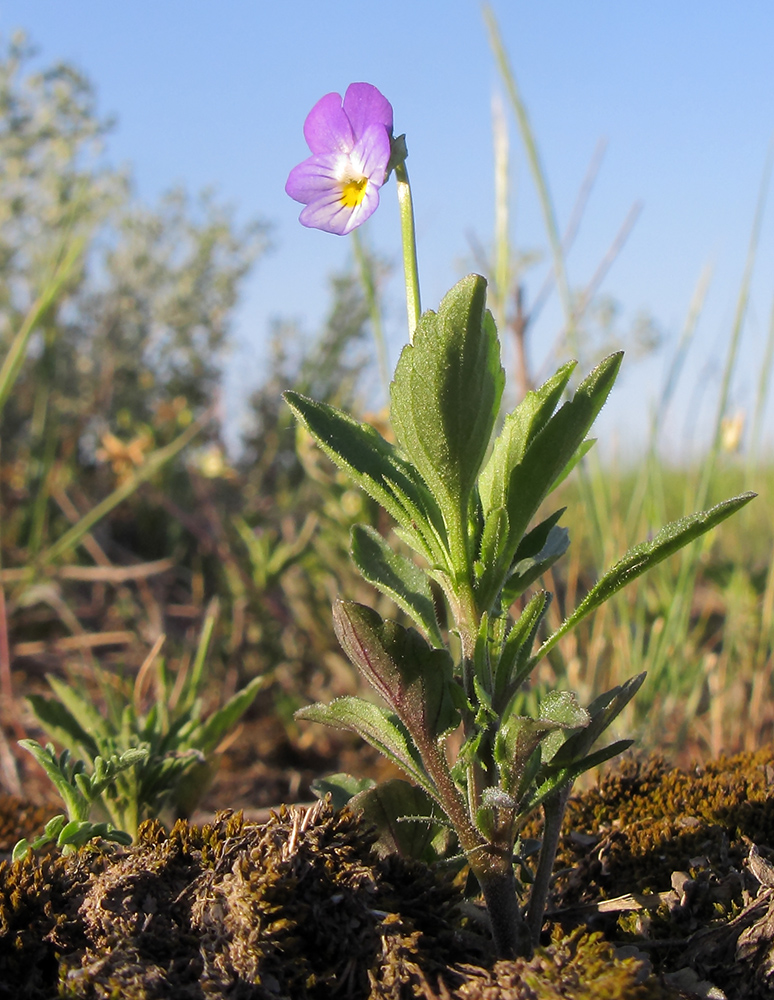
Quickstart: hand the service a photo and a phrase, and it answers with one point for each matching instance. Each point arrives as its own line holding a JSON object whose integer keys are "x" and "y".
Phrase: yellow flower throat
{"x": 353, "y": 191}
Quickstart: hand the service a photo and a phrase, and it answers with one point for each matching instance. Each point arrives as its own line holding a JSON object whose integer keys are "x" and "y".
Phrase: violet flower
{"x": 350, "y": 144}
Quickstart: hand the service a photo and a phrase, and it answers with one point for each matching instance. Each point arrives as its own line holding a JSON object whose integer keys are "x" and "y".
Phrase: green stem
{"x": 510, "y": 932}
{"x": 408, "y": 236}
{"x": 553, "y": 810}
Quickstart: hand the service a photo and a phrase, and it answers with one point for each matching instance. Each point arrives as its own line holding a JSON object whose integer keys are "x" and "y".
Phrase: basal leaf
{"x": 378, "y": 727}
{"x": 446, "y": 393}
{"x": 81, "y": 708}
{"x": 207, "y": 736}
{"x": 341, "y": 787}
{"x": 397, "y": 577}
{"x": 404, "y": 816}
{"x": 667, "y": 541}
{"x": 61, "y": 725}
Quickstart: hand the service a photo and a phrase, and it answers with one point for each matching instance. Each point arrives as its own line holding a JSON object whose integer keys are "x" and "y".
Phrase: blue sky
{"x": 210, "y": 94}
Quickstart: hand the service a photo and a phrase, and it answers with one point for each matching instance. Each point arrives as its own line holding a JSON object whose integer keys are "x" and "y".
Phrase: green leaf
{"x": 378, "y": 727}
{"x": 602, "y": 711}
{"x": 404, "y": 817}
{"x": 549, "y": 450}
{"x": 21, "y": 849}
{"x": 82, "y": 708}
{"x": 397, "y": 577}
{"x": 518, "y": 432}
{"x": 563, "y": 709}
{"x": 559, "y": 777}
{"x": 61, "y": 775}
{"x": 494, "y": 539}
{"x": 669, "y": 540}
{"x": 60, "y": 723}
{"x": 583, "y": 450}
{"x": 376, "y": 466}
{"x": 501, "y": 582}
{"x": 515, "y": 743}
{"x": 512, "y": 667}
{"x": 527, "y": 570}
{"x": 411, "y": 677}
{"x": 341, "y": 787}
{"x": 446, "y": 393}
{"x": 106, "y": 771}
{"x": 54, "y": 827}
{"x": 75, "y": 832}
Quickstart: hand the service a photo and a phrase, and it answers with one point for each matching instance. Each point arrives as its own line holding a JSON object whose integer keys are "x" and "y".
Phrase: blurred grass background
{"x": 122, "y": 514}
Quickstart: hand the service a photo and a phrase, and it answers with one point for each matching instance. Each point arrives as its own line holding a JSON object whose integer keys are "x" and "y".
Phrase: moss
{"x": 580, "y": 966}
{"x": 302, "y": 906}
{"x": 646, "y": 821}
{"x": 647, "y": 828}
{"x": 39, "y": 900}
{"x": 291, "y": 908}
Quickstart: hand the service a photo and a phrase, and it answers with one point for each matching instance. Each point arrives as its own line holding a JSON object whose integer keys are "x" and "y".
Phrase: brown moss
{"x": 39, "y": 900}
{"x": 296, "y": 907}
{"x": 646, "y": 821}
{"x": 302, "y": 907}
{"x": 580, "y": 966}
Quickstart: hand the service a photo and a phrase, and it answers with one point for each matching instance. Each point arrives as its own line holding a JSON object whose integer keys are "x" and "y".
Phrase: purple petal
{"x": 328, "y": 213}
{"x": 364, "y": 106}
{"x": 315, "y": 176}
{"x": 327, "y": 128}
{"x": 372, "y": 154}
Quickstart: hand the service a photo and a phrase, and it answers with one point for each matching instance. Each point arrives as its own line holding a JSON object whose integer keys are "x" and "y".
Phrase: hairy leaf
{"x": 206, "y": 737}
{"x": 446, "y": 393}
{"x": 527, "y": 570}
{"x": 382, "y": 729}
{"x": 341, "y": 787}
{"x": 397, "y": 577}
{"x": 513, "y": 664}
{"x": 405, "y": 818}
{"x": 376, "y": 466}
{"x": 554, "y": 446}
{"x": 668, "y": 540}
{"x": 413, "y": 678}
{"x": 518, "y": 432}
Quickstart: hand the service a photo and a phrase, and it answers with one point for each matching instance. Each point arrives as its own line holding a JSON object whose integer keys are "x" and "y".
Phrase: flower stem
{"x": 411, "y": 271}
